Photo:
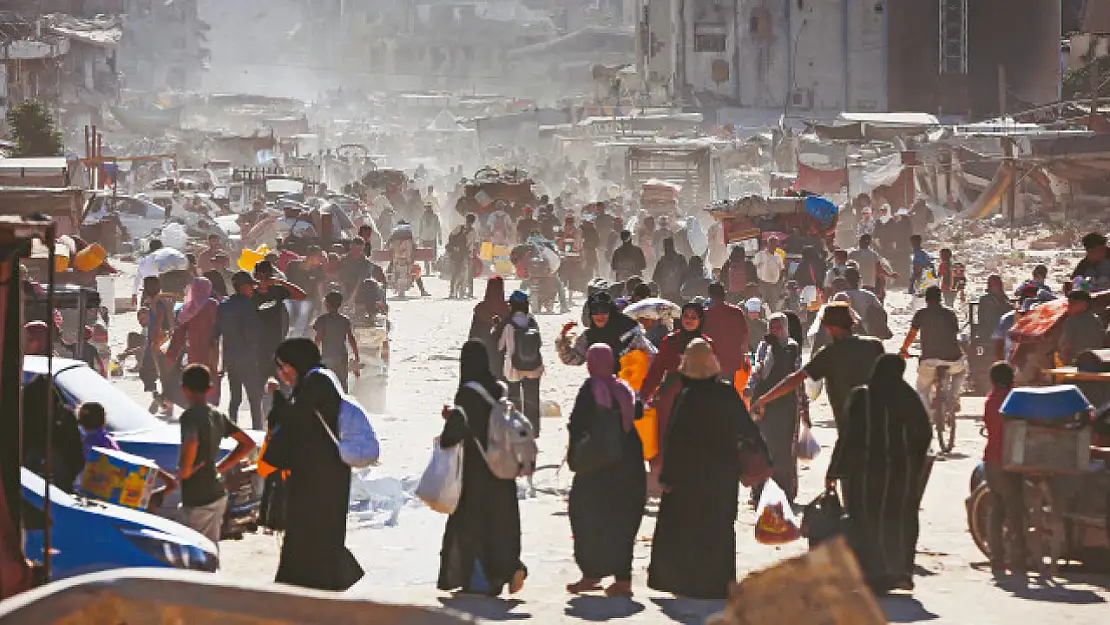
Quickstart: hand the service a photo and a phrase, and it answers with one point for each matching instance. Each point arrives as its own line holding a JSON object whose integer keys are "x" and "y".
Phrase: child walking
{"x": 333, "y": 333}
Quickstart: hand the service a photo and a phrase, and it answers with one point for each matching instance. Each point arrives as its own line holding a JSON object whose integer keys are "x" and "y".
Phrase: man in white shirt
{"x": 770, "y": 269}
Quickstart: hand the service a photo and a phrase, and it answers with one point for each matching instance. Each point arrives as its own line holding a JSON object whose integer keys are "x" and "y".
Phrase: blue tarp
{"x": 821, "y": 209}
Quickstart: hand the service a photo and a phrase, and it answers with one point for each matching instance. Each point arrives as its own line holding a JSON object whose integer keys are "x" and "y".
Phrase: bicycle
{"x": 942, "y": 412}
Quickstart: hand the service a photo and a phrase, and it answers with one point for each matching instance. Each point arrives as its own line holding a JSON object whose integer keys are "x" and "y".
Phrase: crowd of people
{"x": 719, "y": 381}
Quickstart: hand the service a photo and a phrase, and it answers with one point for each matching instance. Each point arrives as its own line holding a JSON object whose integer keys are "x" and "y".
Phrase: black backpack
{"x": 526, "y": 347}
{"x": 456, "y": 243}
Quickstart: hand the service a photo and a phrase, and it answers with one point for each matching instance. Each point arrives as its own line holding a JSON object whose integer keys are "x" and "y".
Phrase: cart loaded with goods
{"x": 755, "y": 218}
{"x": 490, "y": 185}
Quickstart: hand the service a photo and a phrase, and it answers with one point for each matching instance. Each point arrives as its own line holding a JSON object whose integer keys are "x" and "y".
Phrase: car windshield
{"x": 82, "y": 384}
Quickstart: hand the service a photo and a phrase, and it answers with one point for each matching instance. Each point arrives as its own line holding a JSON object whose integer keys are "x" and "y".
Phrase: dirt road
{"x": 400, "y": 554}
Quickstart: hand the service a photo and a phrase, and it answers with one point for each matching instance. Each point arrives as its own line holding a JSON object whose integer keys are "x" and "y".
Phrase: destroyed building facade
{"x": 164, "y": 45}
{"x": 808, "y": 56}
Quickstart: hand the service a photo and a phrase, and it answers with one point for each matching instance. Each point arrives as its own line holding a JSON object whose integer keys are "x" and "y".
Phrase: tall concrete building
{"x": 851, "y": 55}
{"x": 164, "y": 45}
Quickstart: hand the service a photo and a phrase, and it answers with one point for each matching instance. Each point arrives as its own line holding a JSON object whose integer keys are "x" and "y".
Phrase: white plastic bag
{"x": 806, "y": 447}
{"x": 441, "y": 484}
{"x": 776, "y": 523}
{"x": 813, "y": 388}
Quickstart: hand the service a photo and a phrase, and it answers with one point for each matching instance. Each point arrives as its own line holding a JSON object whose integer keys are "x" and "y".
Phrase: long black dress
{"x": 606, "y": 506}
{"x": 313, "y": 554}
{"x": 694, "y": 550}
{"x": 779, "y": 424}
{"x": 485, "y": 527}
{"x": 880, "y": 459}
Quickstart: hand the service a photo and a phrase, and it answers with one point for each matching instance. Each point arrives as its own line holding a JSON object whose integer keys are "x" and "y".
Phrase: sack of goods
{"x": 511, "y": 444}
{"x": 358, "y": 444}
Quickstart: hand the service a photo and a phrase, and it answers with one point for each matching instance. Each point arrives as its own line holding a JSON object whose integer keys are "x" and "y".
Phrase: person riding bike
{"x": 940, "y": 347}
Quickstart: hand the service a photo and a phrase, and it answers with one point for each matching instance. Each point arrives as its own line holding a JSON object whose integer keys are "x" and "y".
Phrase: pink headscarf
{"x": 196, "y": 298}
{"x": 606, "y": 386}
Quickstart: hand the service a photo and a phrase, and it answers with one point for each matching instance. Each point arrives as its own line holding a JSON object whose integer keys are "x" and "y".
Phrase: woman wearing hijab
{"x": 778, "y": 356}
{"x": 490, "y": 316}
{"x": 606, "y": 505}
{"x": 696, "y": 281}
{"x": 481, "y": 543}
{"x": 880, "y": 459}
{"x": 219, "y": 285}
{"x": 662, "y": 384}
{"x": 693, "y": 552}
{"x": 313, "y": 553}
{"x": 607, "y": 325}
{"x": 194, "y": 333}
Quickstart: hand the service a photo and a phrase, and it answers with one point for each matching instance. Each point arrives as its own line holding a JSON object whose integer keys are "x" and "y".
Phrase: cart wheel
{"x": 980, "y": 506}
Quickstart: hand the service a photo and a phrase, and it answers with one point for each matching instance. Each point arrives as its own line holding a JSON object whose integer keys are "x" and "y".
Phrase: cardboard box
{"x": 120, "y": 478}
{"x": 1031, "y": 448}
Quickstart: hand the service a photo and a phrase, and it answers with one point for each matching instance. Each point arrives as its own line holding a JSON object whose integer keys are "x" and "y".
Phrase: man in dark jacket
{"x": 670, "y": 271}
{"x": 628, "y": 259}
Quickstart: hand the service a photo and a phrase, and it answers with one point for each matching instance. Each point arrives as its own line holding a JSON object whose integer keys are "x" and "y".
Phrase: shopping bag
{"x": 440, "y": 486}
{"x": 648, "y": 427}
{"x": 776, "y": 523}
{"x": 813, "y": 388}
{"x": 824, "y": 519}
{"x": 806, "y": 446}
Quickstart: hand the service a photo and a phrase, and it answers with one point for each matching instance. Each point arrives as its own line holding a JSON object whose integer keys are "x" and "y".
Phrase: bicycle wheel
{"x": 950, "y": 417}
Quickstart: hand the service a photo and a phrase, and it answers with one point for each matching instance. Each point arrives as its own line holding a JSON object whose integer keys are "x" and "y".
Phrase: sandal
{"x": 619, "y": 589}
{"x": 517, "y": 581}
{"x": 584, "y": 585}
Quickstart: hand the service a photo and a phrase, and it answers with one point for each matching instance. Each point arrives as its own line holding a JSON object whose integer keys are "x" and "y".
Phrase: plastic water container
{"x": 89, "y": 258}
{"x": 106, "y": 286}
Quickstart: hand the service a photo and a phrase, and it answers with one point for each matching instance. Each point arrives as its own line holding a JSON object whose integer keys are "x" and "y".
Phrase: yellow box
{"x": 119, "y": 478}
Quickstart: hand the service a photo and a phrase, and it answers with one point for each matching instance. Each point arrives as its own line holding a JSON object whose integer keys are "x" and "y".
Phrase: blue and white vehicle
{"x": 90, "y": 536}
{"x": 140, "y": 433}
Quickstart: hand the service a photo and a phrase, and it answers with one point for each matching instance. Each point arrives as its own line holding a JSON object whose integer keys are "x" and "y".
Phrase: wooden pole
{"x": 88, "y": 155}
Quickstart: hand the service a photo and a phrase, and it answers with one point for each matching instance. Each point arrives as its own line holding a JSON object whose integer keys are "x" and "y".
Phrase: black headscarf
{"x": 615, "y": 334}
{"x": 684, "y": 335}
{"x": 795, "y": 328}
{"x": 219, "y": 286}
{"x": 474, "y": 364}
{"x": 301, "y": 354}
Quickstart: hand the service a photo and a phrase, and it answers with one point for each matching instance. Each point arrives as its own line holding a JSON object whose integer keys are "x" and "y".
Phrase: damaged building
{"x": 164, "y": 45}
{"x": 806, "y": 56}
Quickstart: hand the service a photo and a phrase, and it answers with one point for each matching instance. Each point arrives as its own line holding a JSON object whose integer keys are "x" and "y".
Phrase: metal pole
{"x": 48, "y": 468}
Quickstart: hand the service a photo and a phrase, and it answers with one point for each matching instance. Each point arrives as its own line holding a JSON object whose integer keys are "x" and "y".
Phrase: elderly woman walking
{"x": 881, "y": 461}
{"x": 694, "y": 550}
{"x": 606, "y": 503}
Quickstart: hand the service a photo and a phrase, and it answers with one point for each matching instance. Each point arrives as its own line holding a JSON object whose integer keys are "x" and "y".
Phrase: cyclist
{"x": 940, "y": 347}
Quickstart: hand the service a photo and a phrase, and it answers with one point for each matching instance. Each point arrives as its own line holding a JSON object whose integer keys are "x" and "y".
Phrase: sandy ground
{"x": 399, "y": 548}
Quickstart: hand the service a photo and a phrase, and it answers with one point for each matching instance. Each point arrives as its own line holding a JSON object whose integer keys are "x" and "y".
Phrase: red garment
{"x": 727, "y": 326}
{"x": 494, "y": 303}
{"x": 992, "y": 419}
{"x": 662, "y": 383}
{"x": 203, "y": 348}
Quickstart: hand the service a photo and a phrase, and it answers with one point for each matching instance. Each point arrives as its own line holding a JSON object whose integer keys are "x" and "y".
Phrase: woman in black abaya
{"x": 313, "y": 554}
{"x": 880, "y": 460}
{"x": 481, "y": 543}
{"x": 606, "y": 505}
{"x": 693, "y": 553}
